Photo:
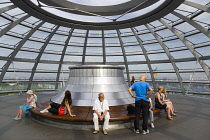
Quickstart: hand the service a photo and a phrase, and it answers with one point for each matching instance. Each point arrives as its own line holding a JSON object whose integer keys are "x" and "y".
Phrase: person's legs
{"x": 145, "y": 108}
{"x": 106, "y": 121}
{"x": 95, "y": 121}
{"x": 137, "y": 115}
{"x": 151, "y": 118}
{"x": 168, "y": 109}
{"x": 19, "y": 113}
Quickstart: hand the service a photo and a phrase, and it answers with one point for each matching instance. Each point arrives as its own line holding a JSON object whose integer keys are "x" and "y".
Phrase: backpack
{"x": 131, "y": 109}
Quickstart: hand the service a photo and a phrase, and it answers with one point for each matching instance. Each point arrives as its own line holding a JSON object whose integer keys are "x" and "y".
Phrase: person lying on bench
{"x": 53, "y": 107}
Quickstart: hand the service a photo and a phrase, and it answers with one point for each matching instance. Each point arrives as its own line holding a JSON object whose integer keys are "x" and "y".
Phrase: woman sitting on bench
{"x": 159, "y": 103}
{"x": 53, "y": 107}
{"x": 168, "y": 102}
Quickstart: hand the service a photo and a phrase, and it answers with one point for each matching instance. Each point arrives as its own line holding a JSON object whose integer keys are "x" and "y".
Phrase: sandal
{"x": 170, "y": 118}
{"x": 174, "y": 114}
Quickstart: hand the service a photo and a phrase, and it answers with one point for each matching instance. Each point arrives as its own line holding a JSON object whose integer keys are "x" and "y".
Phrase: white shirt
{"x": 101, "y": 106}
{"x": 150, "y": 100}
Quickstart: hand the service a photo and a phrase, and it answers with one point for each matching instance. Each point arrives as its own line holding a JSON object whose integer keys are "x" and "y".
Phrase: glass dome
{"x": 170, "y": 48}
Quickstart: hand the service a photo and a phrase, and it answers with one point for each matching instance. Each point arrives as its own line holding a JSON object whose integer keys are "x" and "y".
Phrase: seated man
{"x": 101, "y": 108}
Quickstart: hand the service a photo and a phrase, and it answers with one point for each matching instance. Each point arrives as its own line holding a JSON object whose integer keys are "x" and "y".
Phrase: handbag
{"x": 61, "y": 111}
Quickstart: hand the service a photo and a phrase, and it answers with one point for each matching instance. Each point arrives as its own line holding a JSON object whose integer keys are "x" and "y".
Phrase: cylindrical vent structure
{"x": 87, "y": 81}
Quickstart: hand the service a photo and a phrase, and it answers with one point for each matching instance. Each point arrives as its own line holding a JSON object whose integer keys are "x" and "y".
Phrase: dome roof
{"x": 166, "y": 40}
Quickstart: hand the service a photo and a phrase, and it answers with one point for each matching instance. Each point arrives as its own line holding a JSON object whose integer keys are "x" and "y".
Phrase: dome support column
{"x": 85, "y": 47}
{"x": 165, "y": 48}
{"x": 189, "y": 46}
{"x": 16, "y": 50}
{"x": 146, "y": 57}
{"x": 125, "y": 58}
{"x": 198, "y": 6}
{"x": 62, "y": 57}
{"x": 40, "y": 55}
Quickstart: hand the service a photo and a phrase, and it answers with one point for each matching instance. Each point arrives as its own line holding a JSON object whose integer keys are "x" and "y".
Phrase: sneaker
{"x": 105, "y": 132}
{"x": 145, "y": 132}
{"x": 152, "y": 125}
{"x": 136, "y": 131}
{"x": 44, "y": 111}
{"x": 95, "y": 132}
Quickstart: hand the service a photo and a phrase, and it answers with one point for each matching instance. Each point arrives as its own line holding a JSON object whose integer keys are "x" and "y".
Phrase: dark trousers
{"x": 54, "y": 108}
{"x": 141, "y": 106}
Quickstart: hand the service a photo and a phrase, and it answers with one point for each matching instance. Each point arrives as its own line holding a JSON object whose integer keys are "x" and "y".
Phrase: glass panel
{"x": 47, "y": 67}
{"x": 74, "y": 50}
{"x": 94, "y": 50}
{"x": 73, "y": 58}
{"x": 182, "y": 54}
{"x": 93, "y": 59}
{"x": 184, "y": 27}
{"x": 170, "y": 18}
{"x": 20, "y": 29}
{"x": 77, "y": 40}
{"x": 197, "y": 76}
{"x": 166, "y": 77}
{"x": 112, "y": 41}
{"x": 138, "y": 68}
{"x": 136, "y": 58}
{"x": 94, "y": 42}
{"x": 28, "y": 55}
{"x": 15, "y": 12}
{"x": 50, "y": 57}
{"x": 162, "y": 67}
{"x": 132, "y": 49}
{"x": 147, "y": 37}
{"x": 22, "y": 65}
{"x": 203, "y": 18}
{"x": 45, "y": 76}
{"x": 160, "y": 56}
{"x": 129, "y": 39}
{"x": 188, "y": 65}
{"x": 186, "y": 10}
{"x": 198, "y": 38}
{"x": 9, "y": 40}
{"x": 2, "y": 63}
{"x": 114, "y": 59}
{"x": 173, "y": 44}
{"x": 59, "y": 38}
{"x": 40, "y": 34}
{"x": 165, "y": 33}
{"x": 5, "y": 52}
{"x": 3, "y": 22}
{"x": 207, "y": 62}
{"x": 203, "y": 51}
{"x": 32, "y": 45}
{"x": 54, "y": 48}
{"x": 152, "y": 47}
{"x": 95, "y": 33}
{"x": 110, "y": 50}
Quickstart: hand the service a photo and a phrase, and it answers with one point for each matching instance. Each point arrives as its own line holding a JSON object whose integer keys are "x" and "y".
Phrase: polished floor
{"x": 192, "y": 123}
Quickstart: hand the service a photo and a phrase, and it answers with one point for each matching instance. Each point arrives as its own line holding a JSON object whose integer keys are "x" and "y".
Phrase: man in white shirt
{"x": 101, "y": 109}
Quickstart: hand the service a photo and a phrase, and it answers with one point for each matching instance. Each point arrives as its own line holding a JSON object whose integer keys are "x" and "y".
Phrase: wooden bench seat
{"x": 85, "y": 114}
